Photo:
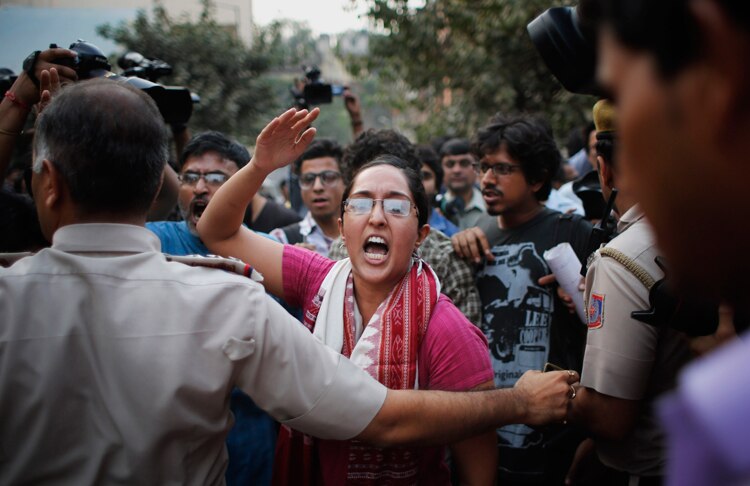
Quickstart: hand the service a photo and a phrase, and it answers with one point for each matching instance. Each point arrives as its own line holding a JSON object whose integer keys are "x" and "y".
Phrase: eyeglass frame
{"x": 499, "y": 169}
{"x": 345, "y": 205}
{"x": 320, "y": 175}
{"x": 202, "y": 175}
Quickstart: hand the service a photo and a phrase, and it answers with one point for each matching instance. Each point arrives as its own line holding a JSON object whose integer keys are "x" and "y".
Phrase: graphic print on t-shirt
{"x": 516, "y": 320}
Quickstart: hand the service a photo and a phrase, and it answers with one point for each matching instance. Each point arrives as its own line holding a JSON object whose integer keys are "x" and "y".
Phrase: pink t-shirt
{"x": 453, "y": 356}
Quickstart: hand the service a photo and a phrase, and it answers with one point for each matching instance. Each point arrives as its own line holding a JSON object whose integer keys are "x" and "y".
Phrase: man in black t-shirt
{"x": 525, "y": 323}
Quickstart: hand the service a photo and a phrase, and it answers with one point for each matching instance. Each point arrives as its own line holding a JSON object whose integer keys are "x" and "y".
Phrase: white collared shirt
{"x": 311, "y": 233}
{"x": 116, "y": 365}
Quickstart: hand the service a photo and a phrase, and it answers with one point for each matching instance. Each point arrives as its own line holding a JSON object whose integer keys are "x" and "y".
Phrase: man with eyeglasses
{"x": 462, "y": 202}
{"x": 525, "y": 322}
{"x": 321, "y": 184}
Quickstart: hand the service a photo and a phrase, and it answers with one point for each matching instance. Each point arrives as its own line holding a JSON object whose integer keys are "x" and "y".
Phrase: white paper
{"x": 564, "y": 263}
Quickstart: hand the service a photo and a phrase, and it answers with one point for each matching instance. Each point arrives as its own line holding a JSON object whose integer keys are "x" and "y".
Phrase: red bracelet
{"x": 14, "y": 99}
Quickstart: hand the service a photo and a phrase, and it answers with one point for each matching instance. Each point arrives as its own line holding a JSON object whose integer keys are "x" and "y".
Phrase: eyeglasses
{"x": 464, "y": 163}
{"x": 497, "y": 169}
{"x": 327, "y": 178}
{"x": 214, "y": 179}
{"x": 363, "y": 205}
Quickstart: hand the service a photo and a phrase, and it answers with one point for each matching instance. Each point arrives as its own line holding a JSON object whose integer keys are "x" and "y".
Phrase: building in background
{"x": 29, "y": 25}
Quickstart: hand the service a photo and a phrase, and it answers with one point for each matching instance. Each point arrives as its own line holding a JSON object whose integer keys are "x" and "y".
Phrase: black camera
{"x": 568, "y": 47}
{"x": 174, "y": 102}
{"x": 136, "y": 64}
{"x": 7, "y": 78}
{"x": 316, "y": 91}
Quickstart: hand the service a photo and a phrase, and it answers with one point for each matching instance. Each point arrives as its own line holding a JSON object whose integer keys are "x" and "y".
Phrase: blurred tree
{"x": 463, "y": 61}
{"x": 211, "y": 61}
{"x": 288, "y": 43}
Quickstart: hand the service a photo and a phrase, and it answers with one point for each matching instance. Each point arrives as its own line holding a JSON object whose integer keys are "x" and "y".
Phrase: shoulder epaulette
{"x": 232, "y": 265}
{"x": 638, "y": 271}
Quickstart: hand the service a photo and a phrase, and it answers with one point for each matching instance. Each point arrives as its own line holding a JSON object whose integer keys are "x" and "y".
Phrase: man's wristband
{"x": 14, "y": 99}
{"x": 29, "y": 64}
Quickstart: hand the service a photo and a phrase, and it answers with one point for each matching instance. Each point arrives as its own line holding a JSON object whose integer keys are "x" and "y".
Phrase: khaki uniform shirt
{"x": 116, "y": 365}
{"x": 626, "y": 358}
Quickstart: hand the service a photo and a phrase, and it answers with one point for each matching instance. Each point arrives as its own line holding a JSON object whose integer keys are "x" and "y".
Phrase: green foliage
{"x": 211, "y": 61}
{"x": 463, "y": 61}
{"x": 289, "y": 44}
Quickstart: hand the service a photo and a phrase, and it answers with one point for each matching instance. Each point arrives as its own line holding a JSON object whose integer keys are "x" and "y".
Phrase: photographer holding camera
{"x": 18, "y": 101}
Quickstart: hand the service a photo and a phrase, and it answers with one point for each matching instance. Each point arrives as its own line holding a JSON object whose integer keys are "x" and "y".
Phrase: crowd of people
{"x": 165, "y": 322}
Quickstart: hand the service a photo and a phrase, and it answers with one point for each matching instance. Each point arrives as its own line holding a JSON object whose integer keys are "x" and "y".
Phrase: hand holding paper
{"x": 564, "y": 263}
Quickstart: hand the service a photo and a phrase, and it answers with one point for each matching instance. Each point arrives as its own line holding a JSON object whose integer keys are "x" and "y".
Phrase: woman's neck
{"x": 368, "y": 298}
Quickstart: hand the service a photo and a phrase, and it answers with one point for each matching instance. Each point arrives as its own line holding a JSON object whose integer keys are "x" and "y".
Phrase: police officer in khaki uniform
{"x": 627, "y": 363}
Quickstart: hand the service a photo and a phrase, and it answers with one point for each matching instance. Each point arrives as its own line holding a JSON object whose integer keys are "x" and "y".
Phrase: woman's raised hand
{"x": 285, "y": 138}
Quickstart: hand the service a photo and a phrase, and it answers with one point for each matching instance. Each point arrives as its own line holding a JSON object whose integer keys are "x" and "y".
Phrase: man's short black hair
{"x": 529, "y": 141}
{"x": 212, "y": 141}
{"x": 320, "y": 147}
{"x": 666, "y": 28}
{"x": 455, "y": 146}
{"x": 109, "y": 142}
{"x": 372, "y": 143}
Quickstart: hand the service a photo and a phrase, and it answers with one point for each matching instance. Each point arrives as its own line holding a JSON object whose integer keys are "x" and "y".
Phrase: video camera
{"x": 135, "y": 64}
{"x": 316, "y": 91}
{"x": 567, "y": 45}
{"x": 174, "y": 102}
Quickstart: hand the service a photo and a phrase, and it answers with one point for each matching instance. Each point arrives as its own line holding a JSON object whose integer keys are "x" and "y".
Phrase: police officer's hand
{"x": 545, "y": 396}
{"x": 472, "y": 244}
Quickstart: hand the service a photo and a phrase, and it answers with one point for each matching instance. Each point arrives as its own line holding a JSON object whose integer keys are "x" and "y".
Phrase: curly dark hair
{"x": 372, "y": 143}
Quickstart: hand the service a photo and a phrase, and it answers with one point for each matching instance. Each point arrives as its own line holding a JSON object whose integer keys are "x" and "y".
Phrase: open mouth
{"x": 197, "y": 208}
{"x": 375, "y": 248}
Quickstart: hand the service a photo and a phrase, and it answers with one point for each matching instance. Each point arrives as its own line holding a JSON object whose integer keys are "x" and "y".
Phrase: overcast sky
{"x": 324, "y": 16}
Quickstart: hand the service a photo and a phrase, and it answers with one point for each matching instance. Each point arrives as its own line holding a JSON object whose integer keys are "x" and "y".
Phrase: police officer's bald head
{"x": 109, "y": 142}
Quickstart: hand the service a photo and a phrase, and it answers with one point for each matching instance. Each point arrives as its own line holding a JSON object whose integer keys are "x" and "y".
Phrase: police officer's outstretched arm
{"x": 436, "y": 417}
